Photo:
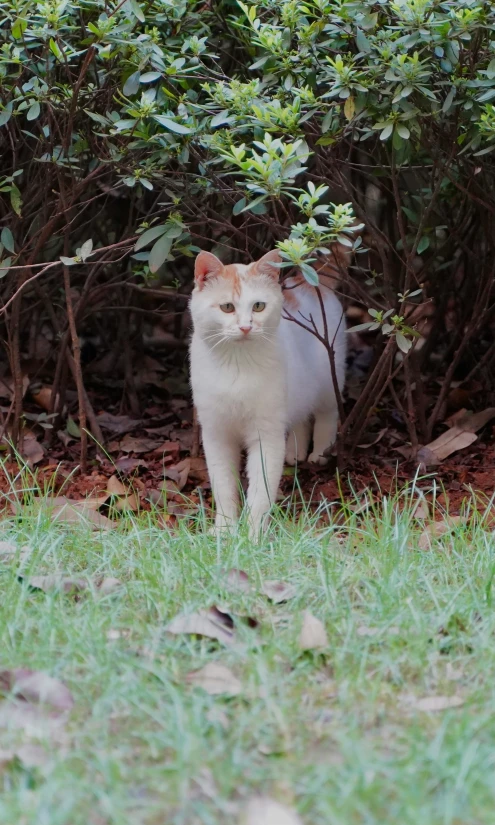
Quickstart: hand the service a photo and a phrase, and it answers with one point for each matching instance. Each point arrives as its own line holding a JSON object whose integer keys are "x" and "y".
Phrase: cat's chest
{"x": 240, "y": 379}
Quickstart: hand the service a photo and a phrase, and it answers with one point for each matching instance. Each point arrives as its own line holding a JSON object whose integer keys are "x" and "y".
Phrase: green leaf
{"x": 362, "y": 42}
{"x": 148, "y": 236}
{"x": 487, "y": 96}
{"x": 447, "y": 104}
{"x": 68, "y": 261}
{"x": 239, "y": 206}
{"x": 137, "y": 10}
{"x": 86, "y": 249}
{"x": 6, "y": 113}
{"x": 403, "y": 343}
{"x": 4, "y": 267}
{"x": 360, "y": 327}
{"x": 490, "y": 72}
{"x": 172, "y": 125}
{"x": 423, "y": 244}
{"x": 16, "y": 199}
{"x": 7, "y": 239}
{"x": 159, "y": 253}
{"x": 403, "y": 131}
{"x": 131, "y": 86}
{"x": 385, "y": 134}
{"x": 220, "y": 118}
{"x": 150, "y": 77}
{"x": 55, "y": 49}
{"x": 18, "y": 28}
{"x": 310, "y": 274}
{"x": 33, "y": 111}
{"x": 72, "y": 428}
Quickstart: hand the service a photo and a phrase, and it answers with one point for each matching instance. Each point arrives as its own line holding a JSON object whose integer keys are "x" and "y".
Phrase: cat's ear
{"x": 206, "y": 266}
{"x": 267, "y": 265}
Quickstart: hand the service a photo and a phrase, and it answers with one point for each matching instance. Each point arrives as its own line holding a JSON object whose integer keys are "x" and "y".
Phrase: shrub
{"x": 134, "y": 133}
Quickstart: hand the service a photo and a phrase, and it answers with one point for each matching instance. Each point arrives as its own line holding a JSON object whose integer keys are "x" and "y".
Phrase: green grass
{"x": 337, "y": 735}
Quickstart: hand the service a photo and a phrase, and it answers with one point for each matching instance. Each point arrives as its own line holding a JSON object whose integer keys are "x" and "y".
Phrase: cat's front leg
{"x": 222, "y": 452}
{"x": 265, "y": 462}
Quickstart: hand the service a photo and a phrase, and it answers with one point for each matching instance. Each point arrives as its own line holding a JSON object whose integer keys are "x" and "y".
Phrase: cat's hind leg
{"x": 324, "y": 434}
{"x": 297, "y": 445}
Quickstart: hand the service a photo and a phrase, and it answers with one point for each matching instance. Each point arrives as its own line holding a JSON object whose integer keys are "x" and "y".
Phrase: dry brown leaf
{"x": 437, "y": 529}
{"x": 118, "y": 424}
{"x": 43, "y": 398}
{"x": 237, "y": 581}
{"x": 211, "y": 623}
{"x": 71, "y": 584}
{"x": 34, "y": 721}
{"x": 278, "y": 591}
{"x": 7, "y": 549}
{"x": 421, "y": 511}
{"x": 313, "y": 635}
{"x": 375, "y": 440}
{"x": 215, "y": 679}
{"x": 7, "y": 386}
{"x": 129, "y": 444}
{"x": 456, "y": 438}
{"x": 36, "y": 687}
{"x": 32, "y": 450}
{"x": 435, "y": 703}
{"x": 115, "y": 487}
{"x": 80, "y": 512}
{"x": 265, "y": 811}
{"x": 32, "y": 756}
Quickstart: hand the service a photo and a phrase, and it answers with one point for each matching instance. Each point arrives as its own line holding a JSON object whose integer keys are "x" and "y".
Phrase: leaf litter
{"x": 313, "y": 635}
{"x": 216, "y": 679}
{"x": 265, "y": 811}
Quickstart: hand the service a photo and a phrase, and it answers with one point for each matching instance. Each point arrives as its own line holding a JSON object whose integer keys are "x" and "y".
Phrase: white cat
{"x": 257, "y": 376}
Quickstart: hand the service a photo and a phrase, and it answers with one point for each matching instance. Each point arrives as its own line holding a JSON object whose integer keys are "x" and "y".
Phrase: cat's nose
{"x": 245, "y": 330}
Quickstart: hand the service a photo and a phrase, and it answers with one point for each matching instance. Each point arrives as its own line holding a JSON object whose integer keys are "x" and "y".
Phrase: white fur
{"x": 251, "y": 390}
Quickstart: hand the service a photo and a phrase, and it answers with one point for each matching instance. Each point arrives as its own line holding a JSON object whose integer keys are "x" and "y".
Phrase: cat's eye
{"x": 259, "y": 306}
{"x": 227, "y": 307}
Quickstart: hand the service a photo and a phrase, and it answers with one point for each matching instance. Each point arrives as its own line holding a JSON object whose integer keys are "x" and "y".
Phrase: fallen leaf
{"x": 456, "y": 438}
{"x": 129, "y": 444}
{"x": 313, "y": 635}
{"x": 7, "y": 549}
{"x": 34, "y": 721}
{"x": 265, "y": 811}
{"x": 70, "y": 584}
{"x": 127, "y": 465}
{"x": 55, "y": 582}
{"x": 375, "y": 440}
{"x": 179, "y": 473}
{"x": 79, "y": 512}
{"x": 32, "y": 756}
{"x": 43, "y": 398}
{"x": 118, "y": 424}
{"x": 421, "y": 511}
{"x": 32, "y": 450}
{"x": 210, "y": 623}
{"x": 437, "y": 529}
{"x": 7, "y": 386}
{"x": 278, "y": 591}
{"x": 435, "y": 703}
{"x": 216, "y": 680}
{"x": 237, "y": 581}
{"x": 126, "y": 499}
{"x": 36, "y": 686}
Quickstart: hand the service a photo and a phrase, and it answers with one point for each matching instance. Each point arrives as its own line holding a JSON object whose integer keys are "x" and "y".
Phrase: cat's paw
{"x": 315, "y": 458}
{"x": 290, "y": 458}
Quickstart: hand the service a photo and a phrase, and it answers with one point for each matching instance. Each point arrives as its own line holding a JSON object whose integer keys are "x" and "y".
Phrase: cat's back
{"x": 308, "y": 367}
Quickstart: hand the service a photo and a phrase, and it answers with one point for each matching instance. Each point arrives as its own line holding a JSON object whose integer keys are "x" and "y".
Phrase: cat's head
{"x": 236, "y": 303}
